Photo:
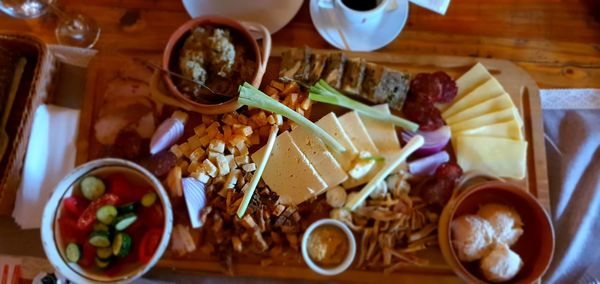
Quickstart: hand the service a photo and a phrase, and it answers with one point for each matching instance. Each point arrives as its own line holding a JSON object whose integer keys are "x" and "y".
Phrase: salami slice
{"x": 448, "y": 87}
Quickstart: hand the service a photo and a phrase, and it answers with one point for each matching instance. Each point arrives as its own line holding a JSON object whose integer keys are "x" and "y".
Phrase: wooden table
{"x": 557, "y": 42}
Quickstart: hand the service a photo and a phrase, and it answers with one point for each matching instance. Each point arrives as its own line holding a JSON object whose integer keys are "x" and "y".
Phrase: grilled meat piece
{"x": 354, "y": 75}
{"x": 334, "y": 70}
{"x": 295, "y": 64}
{"x": 318, "y": 61}
{"x": 385, "y": 85}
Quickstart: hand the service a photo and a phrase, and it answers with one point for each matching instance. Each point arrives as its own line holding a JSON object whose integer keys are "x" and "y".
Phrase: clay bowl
{"x": 535, "y": 246}
{"x": 242, "y": 29}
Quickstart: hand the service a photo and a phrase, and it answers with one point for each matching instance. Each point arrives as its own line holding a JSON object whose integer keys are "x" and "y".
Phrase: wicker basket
{"x": 32, "y": 92}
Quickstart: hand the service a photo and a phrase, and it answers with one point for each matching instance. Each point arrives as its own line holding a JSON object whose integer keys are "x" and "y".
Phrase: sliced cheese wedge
{"x": 289, "y": 173}
{"x": 504, "y": 115}
{"x": 497, "y": 156}
{"x": 320, "y": 158}
{"x": 383, "y": 134}
{"x": 508, "y": 130}
{"x": 386, "y": 140}
{"x": 357, "y": 132}
{"x": 498, "y": 103}
{"x": 331, "y": 125}
{"x": 476, "y": 76}
{"x": 488, "y": 90}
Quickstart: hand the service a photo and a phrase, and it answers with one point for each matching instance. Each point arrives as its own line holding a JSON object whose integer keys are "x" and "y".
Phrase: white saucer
{"x": 273, "y": 14}
{"x": 388, "y": 29}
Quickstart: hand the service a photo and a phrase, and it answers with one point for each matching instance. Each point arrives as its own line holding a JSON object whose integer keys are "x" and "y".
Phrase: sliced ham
{"x": 120, "y": 87}
{"x": 146, "y": 125}
{"x": 136, "y": 71}
{"x": 108, "y": 126}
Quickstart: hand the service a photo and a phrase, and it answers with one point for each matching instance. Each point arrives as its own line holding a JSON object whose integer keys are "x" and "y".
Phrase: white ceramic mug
{"x": 361, "y": 20}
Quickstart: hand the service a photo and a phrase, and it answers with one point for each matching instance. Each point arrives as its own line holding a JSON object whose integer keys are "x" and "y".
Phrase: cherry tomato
{"x": 149, "y": 244}
{"x": 69, "y": 230}
{"x": 88, "y": 217}
{"x": 75, "y": 205}
{"x": 89, "y": 253}
{"x": 152, "y": 216}
{"x": 121, "y": 187}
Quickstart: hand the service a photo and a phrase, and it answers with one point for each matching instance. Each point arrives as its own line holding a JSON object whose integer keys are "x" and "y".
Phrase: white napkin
{"x": 570, "y": 98}
{"x": 438, "y": 6}
{"x": 50, "y": 156}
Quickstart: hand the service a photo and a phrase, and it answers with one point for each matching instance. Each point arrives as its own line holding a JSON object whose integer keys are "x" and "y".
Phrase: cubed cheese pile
{"x": 486, "y": 126}
{"x": 218, "y": 152}
{"x": 301, "y": 166}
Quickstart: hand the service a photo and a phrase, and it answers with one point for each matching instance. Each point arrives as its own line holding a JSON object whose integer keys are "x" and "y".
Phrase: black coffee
{"x": 360, "y": 5}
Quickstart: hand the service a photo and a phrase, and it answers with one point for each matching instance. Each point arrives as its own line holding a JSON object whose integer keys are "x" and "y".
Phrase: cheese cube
{"x": 322, "y": 160}
{"x": 194, "y": 166}
{"x": 498, "y": 103}
{"x": 289, "y": 173}
{"x": 197, "y": 154}
{"x": 249, "y": 167}
{"x": 212, "y": 155}
{"x": 242, "y": 160}
{"x": 217, "y": 146}
{"x": 222, "y": 164}
{"x": 357, "y": 132}
{"x": 201, "y": 176}
{"x": 331, "y": 125}
{"x": 185, "y": 149}
{"x": 209, "y": 168}
{"x": 176, "y": 150}
{"x": 200, "y": 130}
{"x": 180, "y": 115}
{"x": 244, "y": 130}
{"x": 496, "y": 156}
{"x": 230, "y": 162}
{"x": 231, "y": 180}
{"x": 204, "y": 141}
{"x": 194, "y": 142}
{"x": 488, "y": 90}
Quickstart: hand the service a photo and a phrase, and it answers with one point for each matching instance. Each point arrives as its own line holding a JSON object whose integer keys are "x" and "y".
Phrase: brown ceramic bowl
{"x": 171, "y": 54}
{"x": 535, "y": 246}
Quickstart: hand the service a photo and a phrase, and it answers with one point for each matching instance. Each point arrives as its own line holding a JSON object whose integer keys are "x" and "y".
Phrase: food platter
{"x": 518, "y": 84}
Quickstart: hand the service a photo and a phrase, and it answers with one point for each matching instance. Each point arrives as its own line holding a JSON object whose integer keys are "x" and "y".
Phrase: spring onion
{"x": 258, "y": 173}
{"x": 251, "y": 96}
{"x": 355, "y": 200}
{"x": 322, "y": 92}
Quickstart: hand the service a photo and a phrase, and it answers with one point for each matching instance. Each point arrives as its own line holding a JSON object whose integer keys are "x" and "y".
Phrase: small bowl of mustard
{"x": 328, "y": 247}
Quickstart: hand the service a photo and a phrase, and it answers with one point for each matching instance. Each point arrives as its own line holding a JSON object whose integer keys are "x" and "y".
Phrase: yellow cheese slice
{"x": 488, "y": 90}
{"x": 497, "y": 156}
{"x": 498, "y": 103}
{"x": 476, "y": 76}
{"x": 509, "y": 130}
{"x": 504, "y": 115}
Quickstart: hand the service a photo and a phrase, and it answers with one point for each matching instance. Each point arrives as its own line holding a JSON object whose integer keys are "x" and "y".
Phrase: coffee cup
{"x": 359, "y": 14}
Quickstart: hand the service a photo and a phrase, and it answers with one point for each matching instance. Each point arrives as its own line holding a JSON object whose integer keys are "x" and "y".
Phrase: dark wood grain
{"x": 557, "y": 42}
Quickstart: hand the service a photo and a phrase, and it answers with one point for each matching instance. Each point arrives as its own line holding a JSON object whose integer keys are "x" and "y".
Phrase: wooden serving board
{"x": 517, "y": 83}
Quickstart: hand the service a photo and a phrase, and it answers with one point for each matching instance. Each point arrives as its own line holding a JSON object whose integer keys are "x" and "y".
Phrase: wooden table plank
{"x": 557, "y": 42}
